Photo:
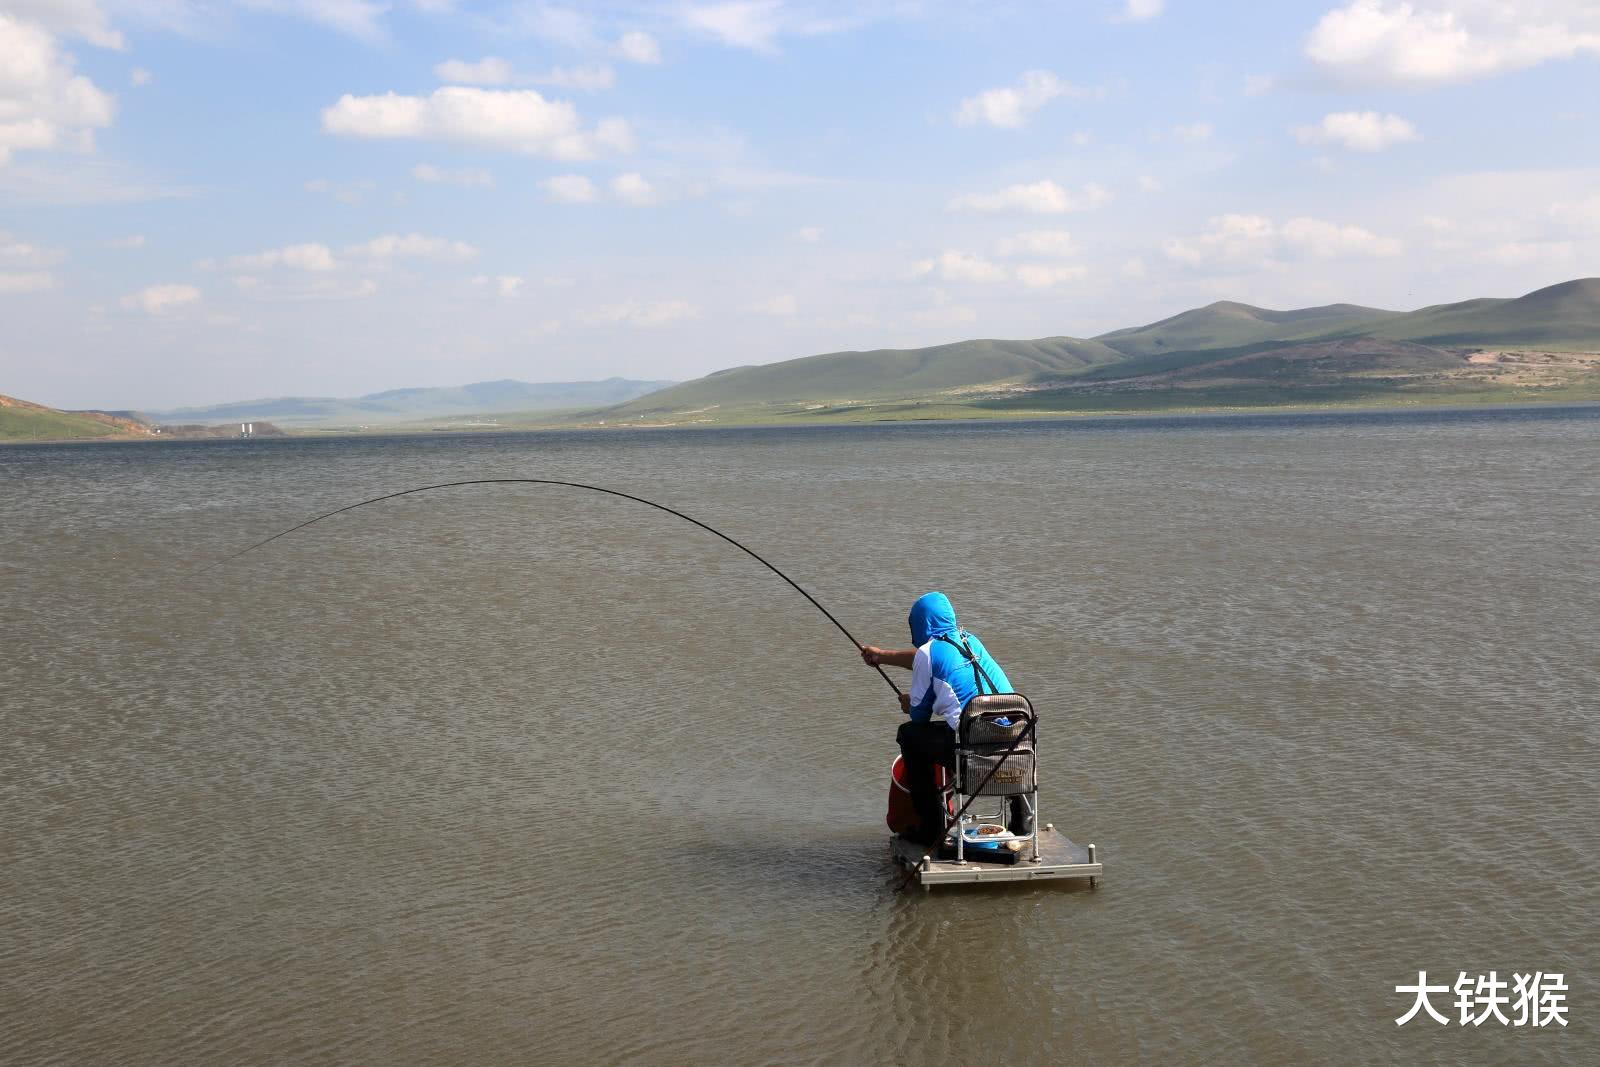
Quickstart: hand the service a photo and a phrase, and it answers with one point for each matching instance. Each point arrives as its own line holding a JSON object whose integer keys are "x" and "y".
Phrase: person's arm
{"x": 918, "y": 700}
{"x": 872, "y": 656}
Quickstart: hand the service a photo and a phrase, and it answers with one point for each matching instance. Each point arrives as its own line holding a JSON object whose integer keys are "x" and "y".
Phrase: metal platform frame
{"x": 1058, "y": 858}
{"x": 1003, "y": 725}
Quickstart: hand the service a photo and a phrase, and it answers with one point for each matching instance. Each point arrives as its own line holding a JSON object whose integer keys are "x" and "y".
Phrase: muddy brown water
{"x": 528, "y": 775}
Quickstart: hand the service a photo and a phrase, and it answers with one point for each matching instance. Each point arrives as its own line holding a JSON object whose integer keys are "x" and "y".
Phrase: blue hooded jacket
{"x": 951, "y": 676}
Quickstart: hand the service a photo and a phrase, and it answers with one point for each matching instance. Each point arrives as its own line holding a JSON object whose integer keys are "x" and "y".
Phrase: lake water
{"x": 523, "y": 774}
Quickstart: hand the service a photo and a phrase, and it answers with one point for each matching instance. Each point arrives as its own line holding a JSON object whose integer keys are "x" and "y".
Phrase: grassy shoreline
{"x": 1067, "y": 404}
{"x": 916, "y": 412}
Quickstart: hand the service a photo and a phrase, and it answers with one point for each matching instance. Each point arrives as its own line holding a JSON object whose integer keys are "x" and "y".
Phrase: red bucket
{"x": 902, "y": 816}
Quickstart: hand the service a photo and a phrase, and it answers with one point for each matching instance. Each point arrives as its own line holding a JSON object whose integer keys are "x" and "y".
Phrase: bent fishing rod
{"x": 571, "y": 485}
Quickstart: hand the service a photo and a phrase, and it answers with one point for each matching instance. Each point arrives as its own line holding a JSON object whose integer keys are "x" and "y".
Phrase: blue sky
{"x": 208, "y": 201}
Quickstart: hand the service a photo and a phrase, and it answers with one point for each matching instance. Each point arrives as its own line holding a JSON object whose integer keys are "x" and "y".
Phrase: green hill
{"x": 21, "y": 420}
{"x": 1226, "y": 324}
{"x": 1563, "y": 317}
{"x": 844, "y": 377}
{"x": 1304, "y": 361}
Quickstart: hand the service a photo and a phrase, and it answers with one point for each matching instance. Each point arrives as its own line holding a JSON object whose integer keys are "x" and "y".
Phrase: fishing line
{"x": 571, "y": 485}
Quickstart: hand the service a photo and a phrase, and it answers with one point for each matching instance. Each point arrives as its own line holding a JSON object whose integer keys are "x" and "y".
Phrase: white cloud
{"x": 636, "y": 313}
{"x": 160, "y": 299}
{"x": 1584, "y": 213}
{"x": 518, "y": 120}
{"x": 307, "y": 257}
{"x": 316, "y": 258}
{"x": 467, "y": 179}
{"x": 781, "y": 306}
{"x": 636, "y": 46}
{"x": 1359, "y": 131}
{"x": 17, "y": 254}
{"x": 81, "y": 183}
{"x": 1149, "y": 183}
{"x": 1329, "y": 240}
{"x": 362, "y": 19}
{"x": 138, "y": 77}
{"x": 1256, "y": 241}
{"x": 953, "y": 266}
{"x": 1010, "y": 108}
{"x": 1046, "y": 243}
{"x": 36, "y": 281}
{"x": 1193, "y": 132}
{"x": 757, "y": 24}
{"x": 490, "y": 70}
{"x": 586, "y": 79}
{"x": 412, "y": 246}
{"x": 1045, "y": 275}
{"x": 1439, "y": 41}
{"x": 135, "y": 240}
{"x": 84, "y": 19}
{"x": 614, "y": 135}
{"x": 633, "y": 189}
{"x": 1229, "y": 239}
{"x": 1258, "y": 84}
{"x": 1529, "y": 253}
{"x": 570, "y": 189}
{"x": 1140, "y": 10}
{"x": 558, "y": 25}
{"x": 1042, "y": 198}
{"x": 808, "y": 234}
{"x": 43, "y": 104}
{"x": 753, "y": 24}
{"x": 1508, "y": 218}
{"x": 506, "y": 285}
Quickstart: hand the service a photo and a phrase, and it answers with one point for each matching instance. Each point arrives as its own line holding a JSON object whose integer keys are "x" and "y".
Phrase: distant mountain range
{"x": 405, "y": 405}
{"x": 1224, "y": 354}
{"x": 1226, "y": 324}
{"x": 1542, "y": 346}
{"x": 1565, "y": 316}
{"x": 882, "y": 373}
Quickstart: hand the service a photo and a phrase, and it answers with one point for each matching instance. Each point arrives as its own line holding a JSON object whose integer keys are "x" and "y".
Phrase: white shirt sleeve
{"x": 921, "y": 676}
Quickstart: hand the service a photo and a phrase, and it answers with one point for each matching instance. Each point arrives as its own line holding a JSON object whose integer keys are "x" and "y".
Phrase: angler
{"x": 949, "y": 666}
{"x": 971, "y": 736}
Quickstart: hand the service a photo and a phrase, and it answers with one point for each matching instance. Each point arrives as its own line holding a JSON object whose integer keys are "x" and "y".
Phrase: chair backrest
{"x": 994, "y": 719}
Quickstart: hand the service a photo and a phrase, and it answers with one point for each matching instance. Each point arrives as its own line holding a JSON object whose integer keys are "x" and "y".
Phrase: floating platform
{"x": 1059, "y": 858}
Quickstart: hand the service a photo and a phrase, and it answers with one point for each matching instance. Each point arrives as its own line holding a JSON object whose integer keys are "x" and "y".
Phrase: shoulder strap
{"x": 979, "y": 676}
